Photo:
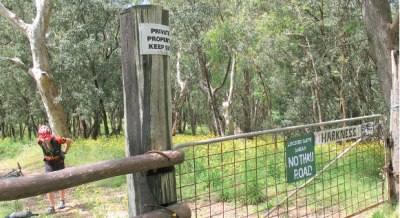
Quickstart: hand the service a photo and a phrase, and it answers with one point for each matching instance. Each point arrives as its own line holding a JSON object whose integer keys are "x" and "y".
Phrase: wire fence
{"x": 247, "y": 175}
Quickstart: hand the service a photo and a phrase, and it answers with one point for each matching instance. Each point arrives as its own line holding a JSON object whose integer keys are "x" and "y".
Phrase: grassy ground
{"x": 107, "y": 198}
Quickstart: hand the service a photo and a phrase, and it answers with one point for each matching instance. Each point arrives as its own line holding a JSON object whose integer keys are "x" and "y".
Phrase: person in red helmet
{"x": 53, "y": 160}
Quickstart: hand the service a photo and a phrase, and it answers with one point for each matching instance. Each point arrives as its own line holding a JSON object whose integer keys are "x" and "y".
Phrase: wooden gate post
{"x": 394, "y": 129}
{"x": 147, "y": 98}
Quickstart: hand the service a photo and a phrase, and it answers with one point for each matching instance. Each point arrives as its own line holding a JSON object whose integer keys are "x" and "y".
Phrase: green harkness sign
{"x": 300, "y": 158}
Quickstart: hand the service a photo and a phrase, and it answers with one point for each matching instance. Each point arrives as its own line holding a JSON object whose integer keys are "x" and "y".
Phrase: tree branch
{"x": 14, "y": 19}
{"x": 43, "y": 11}
{"x": 226, "y": 74}
{"x": 17, "y": 62}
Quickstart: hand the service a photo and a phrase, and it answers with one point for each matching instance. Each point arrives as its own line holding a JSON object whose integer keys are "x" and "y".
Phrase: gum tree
{"x": 383, "y": 36}
{"x": 40, "y": 69}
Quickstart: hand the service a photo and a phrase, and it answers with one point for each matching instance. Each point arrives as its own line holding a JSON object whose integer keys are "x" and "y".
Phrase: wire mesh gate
{"x": 245, "y": 175}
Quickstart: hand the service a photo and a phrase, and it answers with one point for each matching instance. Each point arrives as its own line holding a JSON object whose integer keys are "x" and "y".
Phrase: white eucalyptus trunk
{"x": 40, "y": 69}
{"x": 227, "y": 105}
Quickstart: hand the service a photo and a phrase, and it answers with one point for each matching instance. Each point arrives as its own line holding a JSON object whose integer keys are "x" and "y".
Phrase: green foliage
{"x": 89, "y": 151}
{"x": 385, "y": 211}
{"x": 10, "y": 207}
{"x": 301, "y": 57}
{"x": 10, "y": 148}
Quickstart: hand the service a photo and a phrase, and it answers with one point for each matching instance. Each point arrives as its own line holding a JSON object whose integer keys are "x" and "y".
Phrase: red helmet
{"x": 44, "y": 132}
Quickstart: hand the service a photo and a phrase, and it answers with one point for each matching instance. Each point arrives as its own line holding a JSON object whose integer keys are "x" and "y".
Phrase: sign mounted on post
{"x": 154, "y": 39}
{"x": 300, "y": 158}
{"x": 340, "y": 134}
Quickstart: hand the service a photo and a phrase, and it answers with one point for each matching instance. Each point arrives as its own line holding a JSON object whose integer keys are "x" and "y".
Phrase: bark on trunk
{"x": 343, "y": 56}
{"x": 21, "y": 131}
{"x": 84, "y": 129}
{"x": 394, "y": 129}
{"x": 267, "y": 95}
{"x": 3, "y": 130}
{"x": 316, "y": 85}
{"x": 217, "y": 119}
{"x": 192, "y": 116}
{"x": 177, "y": 110}
{"x": 246, "y": 99}
{"x": 104, "y": 117}
{"x": 48, "y": 92}
{"x": 120, "y": 119}
{"x": 383, "y": 36}
{"x": 227, "y": 105}
{"x": 96, "y": 126}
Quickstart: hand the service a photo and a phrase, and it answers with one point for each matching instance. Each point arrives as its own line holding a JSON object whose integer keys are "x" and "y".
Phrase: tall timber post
{"x": 147, "y": 99}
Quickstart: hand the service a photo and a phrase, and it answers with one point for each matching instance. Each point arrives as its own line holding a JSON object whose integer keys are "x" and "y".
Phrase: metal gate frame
{"x": 381, "y": 122}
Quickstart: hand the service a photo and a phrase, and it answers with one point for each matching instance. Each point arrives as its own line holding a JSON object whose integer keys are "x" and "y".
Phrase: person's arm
{"x": 68, "y": 142}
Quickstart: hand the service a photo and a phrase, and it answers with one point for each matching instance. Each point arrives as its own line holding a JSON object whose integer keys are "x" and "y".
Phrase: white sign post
{"x": 154, "y": 39}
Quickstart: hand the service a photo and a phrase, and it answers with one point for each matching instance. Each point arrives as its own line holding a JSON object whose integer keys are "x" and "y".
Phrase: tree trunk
{"x": 120, "y": 119}
{"x": 74, "y": 124}
{"x": 95, "y": 132}
{"x": 30, "y": 132}
{"x": 394, "y": 129}
{"x": 183, "y": 122}
{"x": 267, "y": 94}
{"x": 383, "y": 36}
{"x": 342, "y": 62}
{"x": 12, "y": 132}
{"x": 21, "y": 131}
{"x": 217, "y": 119}
{"x": 34, "y": 126}
{"x": 113, "y": 120}
{"x": 246, "y": 99}
{"x": 3, "y": 130}
{"x": 102, "y": 109}
{"x": 316, "y": 84}
{"x": 104, "y": 117}
{"x": 177, "y": 110}
{"x": 227, "y": 105}
{"x": 192, "y": 116}
{"x": 84, "y": 129}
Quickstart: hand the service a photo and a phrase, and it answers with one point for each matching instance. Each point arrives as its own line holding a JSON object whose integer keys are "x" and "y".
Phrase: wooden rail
{"x": 28, "y": 186}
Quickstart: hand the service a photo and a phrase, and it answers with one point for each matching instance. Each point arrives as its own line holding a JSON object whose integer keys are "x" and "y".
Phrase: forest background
{"x": 236, "y": 66}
